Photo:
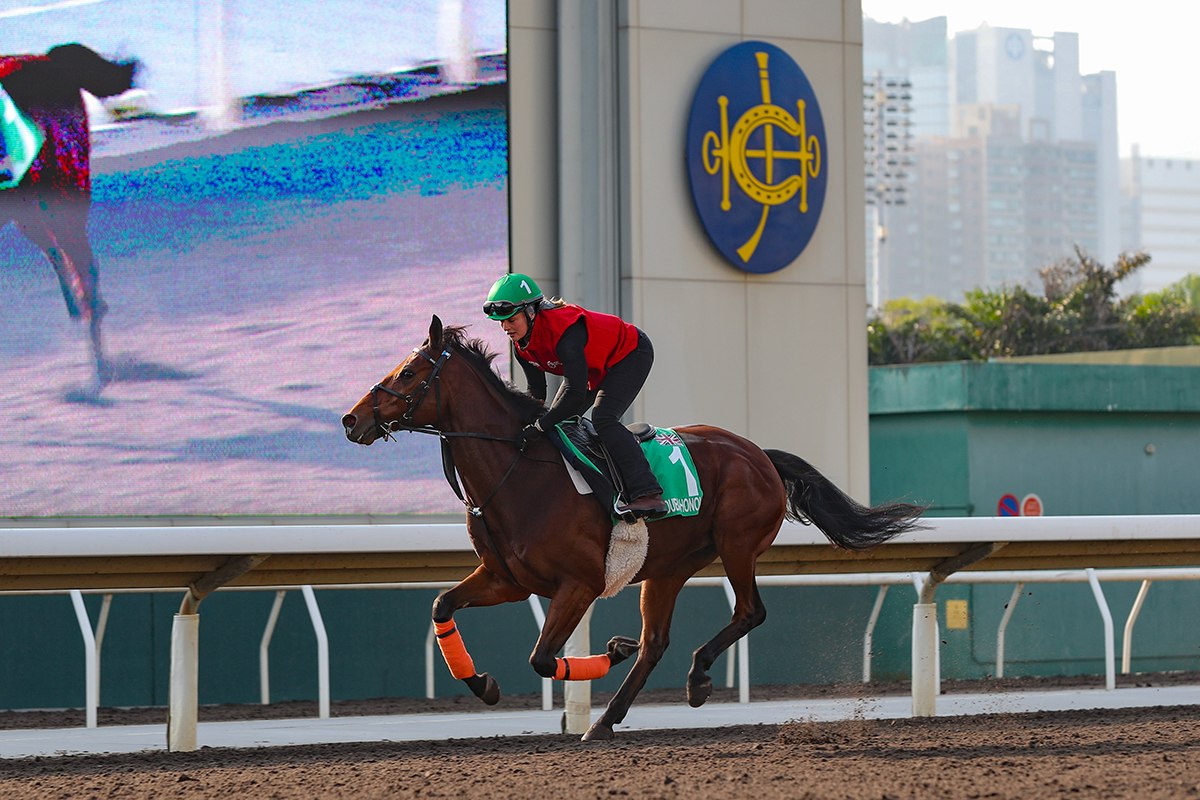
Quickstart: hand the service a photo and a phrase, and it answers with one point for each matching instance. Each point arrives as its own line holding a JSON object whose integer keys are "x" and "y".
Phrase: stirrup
{"x": 649, "y": 512}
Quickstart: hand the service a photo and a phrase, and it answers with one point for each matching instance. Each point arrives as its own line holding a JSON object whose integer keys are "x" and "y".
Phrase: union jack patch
{"x": 668, "y": 438}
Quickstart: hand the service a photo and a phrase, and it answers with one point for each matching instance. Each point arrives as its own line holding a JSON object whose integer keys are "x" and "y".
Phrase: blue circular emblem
{"x": 756, "y": 157}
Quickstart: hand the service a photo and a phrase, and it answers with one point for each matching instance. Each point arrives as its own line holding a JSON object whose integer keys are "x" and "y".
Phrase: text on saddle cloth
{"x": 665, "y": 450}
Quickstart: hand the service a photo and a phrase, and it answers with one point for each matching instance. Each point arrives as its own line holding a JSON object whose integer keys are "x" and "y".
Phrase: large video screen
{"x": 277, "y": 209}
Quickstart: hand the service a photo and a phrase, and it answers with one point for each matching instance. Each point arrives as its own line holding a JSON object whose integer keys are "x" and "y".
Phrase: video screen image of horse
{"x": 187, "y": 298}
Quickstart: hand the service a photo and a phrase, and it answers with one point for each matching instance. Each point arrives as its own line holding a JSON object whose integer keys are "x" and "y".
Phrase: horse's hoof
{"x": 104, "y": 373}
{"x": 699, "y": 692}
{"x": 621, "y": 648}
{"x": 485, "y": 688}
{"x": 599, "y": 732}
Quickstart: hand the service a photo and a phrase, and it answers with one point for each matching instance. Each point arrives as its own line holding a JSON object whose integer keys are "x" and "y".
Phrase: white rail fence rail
{"x": 737, "y": 661}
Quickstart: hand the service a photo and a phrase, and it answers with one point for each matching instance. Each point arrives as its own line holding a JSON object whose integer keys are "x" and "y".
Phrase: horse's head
{"x": 89, "y": 70}
{"x": 408, "y": 396}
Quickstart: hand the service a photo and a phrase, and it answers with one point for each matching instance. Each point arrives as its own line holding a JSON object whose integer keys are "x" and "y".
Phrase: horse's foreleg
{"x": 480, "y": 588}
{"x": 78, "y": 273}
{"x": 658, "y": 606}
{"x": 62, "y": 236}
{"x": 567, "y": 608}
{"x": 61, "y": 233}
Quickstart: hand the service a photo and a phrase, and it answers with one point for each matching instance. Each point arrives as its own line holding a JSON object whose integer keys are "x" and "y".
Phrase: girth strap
{"x": 451, "y": 472}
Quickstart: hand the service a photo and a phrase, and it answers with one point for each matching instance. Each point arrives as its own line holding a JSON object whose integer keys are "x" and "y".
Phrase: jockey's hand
{"x": 530, "y": 432}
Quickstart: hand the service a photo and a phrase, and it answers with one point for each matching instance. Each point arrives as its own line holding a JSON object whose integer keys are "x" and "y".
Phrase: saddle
{"x": 577, "y": 440}
{"x": 666, "y": 453}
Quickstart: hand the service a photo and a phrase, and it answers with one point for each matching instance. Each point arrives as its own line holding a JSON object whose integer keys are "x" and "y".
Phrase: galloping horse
{"x": 50, "y": 205}
{"x": 535, "y": 534}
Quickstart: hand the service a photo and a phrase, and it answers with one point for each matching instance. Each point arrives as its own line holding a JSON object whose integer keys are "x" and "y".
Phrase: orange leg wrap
{"x": 454, "y": 651}
{"x": 581, "y": 669}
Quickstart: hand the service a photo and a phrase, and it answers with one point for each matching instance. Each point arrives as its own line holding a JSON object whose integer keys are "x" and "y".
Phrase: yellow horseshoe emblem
{"x": 729, "y": 153}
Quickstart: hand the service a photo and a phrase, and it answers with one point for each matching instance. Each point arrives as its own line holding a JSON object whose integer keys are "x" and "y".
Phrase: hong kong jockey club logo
{"x": 756, "y": 157}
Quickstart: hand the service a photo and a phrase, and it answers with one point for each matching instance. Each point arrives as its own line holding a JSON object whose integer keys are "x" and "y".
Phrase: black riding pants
{"x": 612, "y": 398}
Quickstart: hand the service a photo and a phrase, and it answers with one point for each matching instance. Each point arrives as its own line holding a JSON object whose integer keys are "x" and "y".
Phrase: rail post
{"x": 869, "y": 634}
{"x": 318, "y": 624}
{"x": 924, "y": 660}
{"x": 182, "y": 688}
{"x": 578, "y": 694}
{"x": 926, "y": 663}
{"x": 182, "y": 706}
{"x": 1008, "y": 612}
{"x": 1127, "y": 644}
{"x": 91, "y": 658}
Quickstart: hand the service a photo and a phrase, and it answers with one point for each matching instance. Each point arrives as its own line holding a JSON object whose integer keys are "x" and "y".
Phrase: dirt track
{"x": 1134, "y": 753}
{"x": 1142, "y": 753}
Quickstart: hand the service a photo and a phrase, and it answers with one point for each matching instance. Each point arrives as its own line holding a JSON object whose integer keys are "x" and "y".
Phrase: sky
{"x": 1151, "y": 46}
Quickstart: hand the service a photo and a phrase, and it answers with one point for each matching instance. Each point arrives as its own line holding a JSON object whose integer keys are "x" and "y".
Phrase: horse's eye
{"x": 406, "y": 374}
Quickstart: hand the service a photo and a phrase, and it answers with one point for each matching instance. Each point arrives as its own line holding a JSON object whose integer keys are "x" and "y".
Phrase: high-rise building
{"x": 1161, "y": 215}
{"x": 1025, "y": 170}
{"x": 916, "y": 51}
{"x": 1100, "y": 126}
{"x": 1012, "y": 67}
{"x": 988, "y": 209}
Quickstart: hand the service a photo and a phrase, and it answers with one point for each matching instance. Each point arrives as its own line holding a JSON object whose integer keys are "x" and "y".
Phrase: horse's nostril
{"x": 349, "y": 420}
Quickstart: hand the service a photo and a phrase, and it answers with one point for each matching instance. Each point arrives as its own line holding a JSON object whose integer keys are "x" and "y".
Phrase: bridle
{"x": 405, "y": 424}
{"x": 411, "y": 405}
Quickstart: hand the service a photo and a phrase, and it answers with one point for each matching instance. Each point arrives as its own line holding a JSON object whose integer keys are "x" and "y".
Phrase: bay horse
{"x": 535, "y": 534}
{"x": 50, "y": 205}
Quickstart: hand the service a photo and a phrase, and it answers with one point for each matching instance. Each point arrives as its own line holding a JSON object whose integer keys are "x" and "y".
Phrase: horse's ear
{"x": 435, "y": 332}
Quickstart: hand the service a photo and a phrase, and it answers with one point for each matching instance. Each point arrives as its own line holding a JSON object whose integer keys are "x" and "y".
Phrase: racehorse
{"x": 535, "y": 534}
{"x": 51, "y": 203}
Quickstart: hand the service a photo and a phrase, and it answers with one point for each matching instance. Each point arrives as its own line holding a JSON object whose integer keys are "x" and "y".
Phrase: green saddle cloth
{"x": 669, "y": 460}
{"x": 671, "y": 463}
{"x": 22, "y": 139}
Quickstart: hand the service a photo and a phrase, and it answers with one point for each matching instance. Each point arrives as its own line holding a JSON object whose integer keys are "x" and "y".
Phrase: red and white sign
{"x": 1031, "y": 506}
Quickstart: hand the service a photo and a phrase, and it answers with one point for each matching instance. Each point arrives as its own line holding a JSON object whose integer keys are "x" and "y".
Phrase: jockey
{"x": 603, "y": 361}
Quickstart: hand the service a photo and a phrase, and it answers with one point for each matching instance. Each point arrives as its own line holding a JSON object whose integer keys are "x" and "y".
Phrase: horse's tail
{"x": 813, "y": 498}
{"x": 91, "y": 71}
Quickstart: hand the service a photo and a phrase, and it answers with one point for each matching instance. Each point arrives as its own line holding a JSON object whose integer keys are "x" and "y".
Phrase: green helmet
{"x": 509, "y": 295}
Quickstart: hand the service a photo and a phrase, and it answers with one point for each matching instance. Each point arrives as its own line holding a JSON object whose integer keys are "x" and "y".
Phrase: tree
{"x": 1078, "y": 311}
{"x": 913, "y": 331}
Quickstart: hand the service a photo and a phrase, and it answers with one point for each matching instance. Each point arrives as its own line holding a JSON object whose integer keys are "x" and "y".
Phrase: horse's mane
{"x": 477, "y": 354}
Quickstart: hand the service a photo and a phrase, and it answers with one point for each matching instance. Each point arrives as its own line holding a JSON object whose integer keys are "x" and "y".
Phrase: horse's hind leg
{"x": 748, "y": 613}
{"x": 480, "y": 588}
{"x": 658, "y": 606}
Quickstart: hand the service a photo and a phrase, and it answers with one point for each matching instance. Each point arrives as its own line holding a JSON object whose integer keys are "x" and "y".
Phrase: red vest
{"x": 609, "y": 340}
{"x": 10, "y": 64}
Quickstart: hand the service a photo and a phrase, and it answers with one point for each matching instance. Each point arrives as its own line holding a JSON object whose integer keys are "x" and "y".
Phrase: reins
{"x": 449, "y": 468}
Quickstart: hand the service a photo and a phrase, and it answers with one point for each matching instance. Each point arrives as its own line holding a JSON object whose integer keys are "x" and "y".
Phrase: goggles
{"x": 500, "y": 309}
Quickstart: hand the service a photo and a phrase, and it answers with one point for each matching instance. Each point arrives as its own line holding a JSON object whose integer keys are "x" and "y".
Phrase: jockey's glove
{"x": 530, "y": 432}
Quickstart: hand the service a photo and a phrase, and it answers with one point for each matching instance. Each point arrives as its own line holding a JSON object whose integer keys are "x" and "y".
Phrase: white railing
{"x": 944, "y": 547}
{"x": 739, "y": 660}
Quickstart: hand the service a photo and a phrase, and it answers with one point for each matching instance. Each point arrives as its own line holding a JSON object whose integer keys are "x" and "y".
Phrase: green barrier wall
{"x": 1087, "y": 439}
{"x": 377, "y": 639}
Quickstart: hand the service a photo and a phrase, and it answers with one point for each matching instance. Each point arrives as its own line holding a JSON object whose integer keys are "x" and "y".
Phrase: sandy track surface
{"x": 1128, "y": 753}
{"x": 1124, "y": 753}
